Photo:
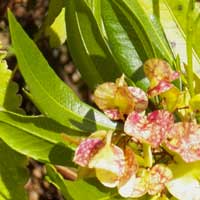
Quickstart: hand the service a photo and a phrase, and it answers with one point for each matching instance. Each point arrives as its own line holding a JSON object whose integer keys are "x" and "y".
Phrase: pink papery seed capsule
{"x": 157, "y": 69}
{"x": 104, "y": 95}
{"x": 117, "y": 100}
{"x": 136, "y": 186}
{"x": 140, "y": 98}
{"x": 151, "y": 128}
{"x": 159, "y": 176}
{"x": 162, "y": 87}
{"x": 89, "y": 147}
{"x": 86, "y": 150}
{"x": 184, "y": 139}
{"x": 131, "y": 167}
{"x": 109, "y": 163}
{"x": 160, "y": 76}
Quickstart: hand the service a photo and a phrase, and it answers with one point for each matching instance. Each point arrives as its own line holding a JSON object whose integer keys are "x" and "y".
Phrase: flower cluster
{"x": 137, "y": 160}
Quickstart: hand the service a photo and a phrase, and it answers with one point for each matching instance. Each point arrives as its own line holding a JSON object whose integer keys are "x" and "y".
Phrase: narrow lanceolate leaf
{"x": 118, "y": 38}
{"x": 95, "y": 6}
{"x": 87, "y": 47}
{"x": 133, "y": 37}
{"x": 52, "y": 96}
{"x": 13, "y": 174}
{"x": 152, "y": 28}
{"x": 77, "y": 190}
{"x": 36, "y": 137}
{"x": 127, "y": 39}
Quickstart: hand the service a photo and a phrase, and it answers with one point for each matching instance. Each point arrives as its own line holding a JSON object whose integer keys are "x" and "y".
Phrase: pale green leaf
{"x": 5, "y": 75}
{"x": 13, "y": 174}
{"x": 174, "y": 21}
{"x": 37, "y": 137}
{"x": 8, "y": 89}
{"x": 54, "y": 9}
{"x": 57, "y": 31}
{"x": 195, "y": 103}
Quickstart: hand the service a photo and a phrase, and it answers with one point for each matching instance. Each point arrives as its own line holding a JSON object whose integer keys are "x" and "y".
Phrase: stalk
{"x": 148, "y": 157}
{"x": 156, "y": 9}
{"x": 189, "y": 38}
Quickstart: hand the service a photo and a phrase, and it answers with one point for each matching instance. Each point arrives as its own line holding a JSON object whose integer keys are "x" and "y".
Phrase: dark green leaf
{"x": 133, "y": 37}
{"x": 51, "y": 95}
{"x": 95, "y": 6}
{"x": 87, "y": 47}
{"x": 152, "y": 28}
{"x": 119, "y": 39}
{"x": 127, "y": 39}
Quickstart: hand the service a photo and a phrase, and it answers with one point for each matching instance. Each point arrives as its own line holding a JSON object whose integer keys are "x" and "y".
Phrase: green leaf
{"x": 37, "y": 137}
{"x": 87, "y": 47}
{"x": 8, "y": 89}
{"x": 197, "y": 83}
{"x": 54, "y": 177}
{"x": 133, "y": 38}
{"x": 174, "y": 20}
{"x": 95, "y": 6}
{"x": 51, "y": 95}
{"x": 156, "y": 8}
{"x": 88, "y": 189}
{"x": 152, "y": 28}
{"x": 118, "y": 38}
{"x": 195, "y": 103}
{"x": 179, "y": 11}
{"x": 55, "y": 7}
{"x": 57, "y": 31}
{"x": 13, "y": 174}
{"x": 54, "y": 10}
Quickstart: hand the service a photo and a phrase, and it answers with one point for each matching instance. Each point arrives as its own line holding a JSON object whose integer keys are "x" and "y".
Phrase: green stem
{"x": 189, "y": 67}
{"x": 156, "y": 8}
{"x": 148, "y": 157}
